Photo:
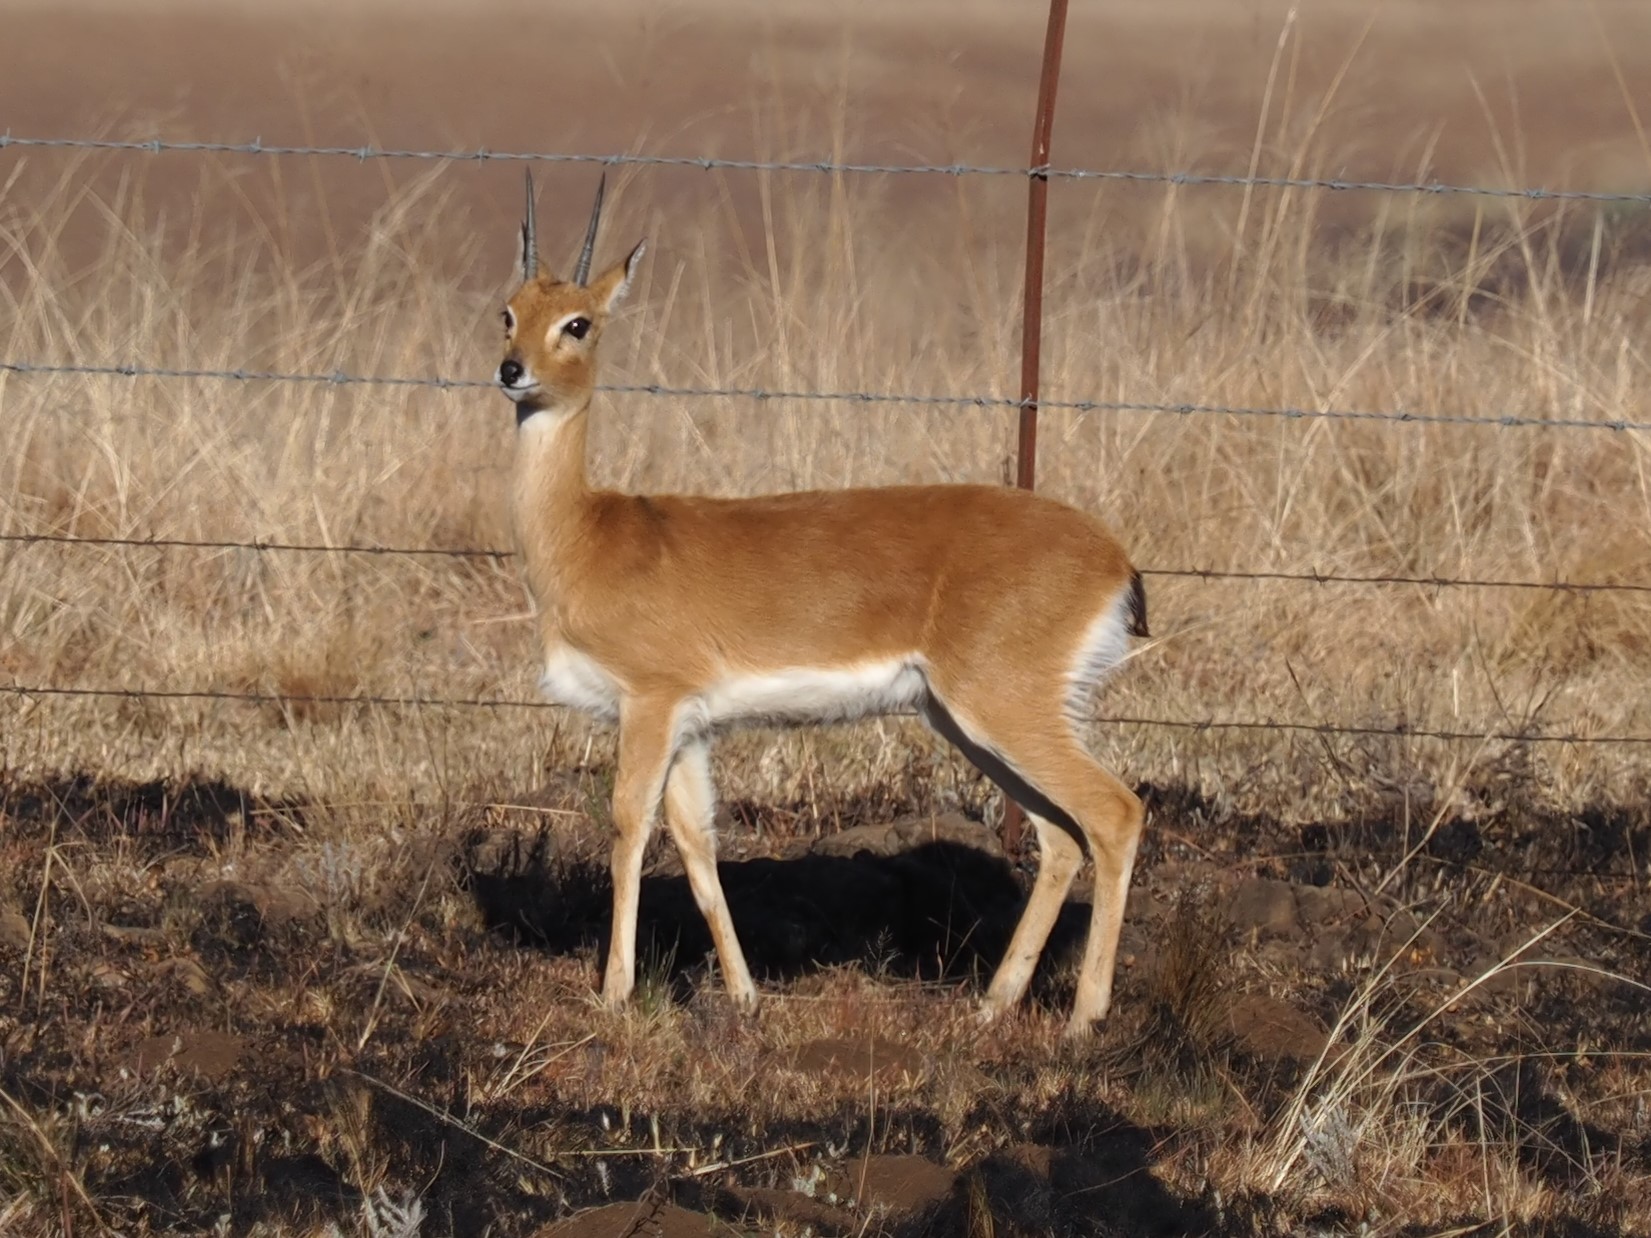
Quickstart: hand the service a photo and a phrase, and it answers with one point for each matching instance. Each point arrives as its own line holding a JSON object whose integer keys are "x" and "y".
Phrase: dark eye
{"x": 509, "y": 320}
{"x": 578, "y": 328}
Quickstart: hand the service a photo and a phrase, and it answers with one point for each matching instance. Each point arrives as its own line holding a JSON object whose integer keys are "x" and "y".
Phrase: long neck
{"x": 549, "y": 494}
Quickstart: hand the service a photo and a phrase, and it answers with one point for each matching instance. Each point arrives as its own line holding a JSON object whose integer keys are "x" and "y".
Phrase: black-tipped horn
{"x": 582, "y": 272}
{"x": 530, "y": 240}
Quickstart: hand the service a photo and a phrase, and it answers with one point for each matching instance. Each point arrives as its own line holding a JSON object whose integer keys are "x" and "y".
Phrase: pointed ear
{"x": 611, "y": 286}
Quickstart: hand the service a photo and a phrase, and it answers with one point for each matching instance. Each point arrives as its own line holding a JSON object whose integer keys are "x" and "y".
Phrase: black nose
{"x": 510, "y": 371}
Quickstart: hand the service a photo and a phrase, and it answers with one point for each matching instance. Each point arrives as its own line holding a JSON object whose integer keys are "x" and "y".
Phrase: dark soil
{"x": 191, "y": 1045}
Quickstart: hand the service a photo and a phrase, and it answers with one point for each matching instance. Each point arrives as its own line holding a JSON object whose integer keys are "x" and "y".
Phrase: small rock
{"x": 1274, "y": 1029}
{"x": 1331, "y": 950}
{"x": 908, "y": 834}
{"x": 212, "y": 1055}
{"x": 1327, "y": 905}
{"x": 902, "y": 1185}
{"x": 1264, "y": 907}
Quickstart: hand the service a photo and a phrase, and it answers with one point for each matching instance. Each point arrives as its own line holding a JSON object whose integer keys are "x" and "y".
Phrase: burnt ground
{"x": 215, "y": 1009}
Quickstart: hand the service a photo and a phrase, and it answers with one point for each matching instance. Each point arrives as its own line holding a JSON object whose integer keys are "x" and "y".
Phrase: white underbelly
{"x": 571, "y": 678}
{"x": 792, "y": 695}
{"x": 810, "y": 694}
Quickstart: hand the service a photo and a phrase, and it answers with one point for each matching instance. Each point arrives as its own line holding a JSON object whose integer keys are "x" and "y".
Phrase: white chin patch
{"x": 519, "y": 392}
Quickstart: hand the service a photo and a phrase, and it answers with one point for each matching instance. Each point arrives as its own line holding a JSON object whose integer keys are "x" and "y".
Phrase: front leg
{"x": 690, "y": 815}
{"x": 647, "y": 729}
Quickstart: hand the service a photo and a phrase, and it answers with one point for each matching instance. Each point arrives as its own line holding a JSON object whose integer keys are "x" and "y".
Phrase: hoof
{"x": 1082, "y": 1026}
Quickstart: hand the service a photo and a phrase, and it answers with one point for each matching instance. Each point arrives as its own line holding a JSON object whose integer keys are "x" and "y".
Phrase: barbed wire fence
{"x": 362, "y": 154}
{"x": 49, "y": 369}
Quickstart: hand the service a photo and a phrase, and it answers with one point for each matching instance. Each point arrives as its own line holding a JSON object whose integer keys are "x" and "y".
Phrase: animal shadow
{"x": 941, "y": 910}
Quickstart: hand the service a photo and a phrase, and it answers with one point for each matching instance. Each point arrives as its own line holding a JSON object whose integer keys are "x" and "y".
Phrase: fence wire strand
{"x": 341, "y": 378}
{"x": 1313, "y": 577}
{"x": 257, "y": 544}
{"x": 366, "y": 153}
{"x": 1397, "y": 731}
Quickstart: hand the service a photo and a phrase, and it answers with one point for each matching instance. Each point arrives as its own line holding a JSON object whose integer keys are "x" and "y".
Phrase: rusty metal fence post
{"x": 1031, "y": 333}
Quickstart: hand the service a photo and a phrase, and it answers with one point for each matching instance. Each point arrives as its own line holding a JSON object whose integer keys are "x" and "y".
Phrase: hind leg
{"x": 1114, "y": 834}
{"x": 1035, "y": 755}
{"x": 1059, "y": 858}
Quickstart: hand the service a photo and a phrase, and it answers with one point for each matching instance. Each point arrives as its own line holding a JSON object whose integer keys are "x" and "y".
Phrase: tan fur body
{"x": 990, "y": 610}
{"x": 824, "y": 577}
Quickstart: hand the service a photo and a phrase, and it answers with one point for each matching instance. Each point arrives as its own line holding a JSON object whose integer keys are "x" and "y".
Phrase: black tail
{"x": 1137, "y": 606}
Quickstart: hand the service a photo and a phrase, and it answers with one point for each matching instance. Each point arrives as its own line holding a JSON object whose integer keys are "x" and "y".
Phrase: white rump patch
{"x": 1105, "y": 644}
{"x": 808, "y": 694}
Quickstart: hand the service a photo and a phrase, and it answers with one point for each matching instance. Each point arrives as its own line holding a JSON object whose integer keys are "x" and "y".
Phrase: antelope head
{"x": 551, "y": 325}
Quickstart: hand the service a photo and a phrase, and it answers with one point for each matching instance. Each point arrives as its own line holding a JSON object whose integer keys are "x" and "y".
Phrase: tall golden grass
{"x": 1158, "y": 294}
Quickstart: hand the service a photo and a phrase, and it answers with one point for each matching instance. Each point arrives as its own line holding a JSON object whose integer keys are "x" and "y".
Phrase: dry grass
{"x": 355, "y": 813}
{"x": 1290, "y": 320}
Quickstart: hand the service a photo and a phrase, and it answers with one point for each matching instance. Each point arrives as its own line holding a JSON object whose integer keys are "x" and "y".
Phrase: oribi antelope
{"x": 992, "y": 612}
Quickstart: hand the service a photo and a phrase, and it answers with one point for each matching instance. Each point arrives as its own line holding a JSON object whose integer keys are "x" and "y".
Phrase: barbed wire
{"x": 1314, "y": 577}
{"x": 706, "y": 163}
{"x": 259, "y": 544}
{"x": 275, "y": 698}
{"x": 762, "y": 394}
{"x": 1397, "y": 731}
{"x": 1430, "y": 581}
{"x": 334, "y": 378}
